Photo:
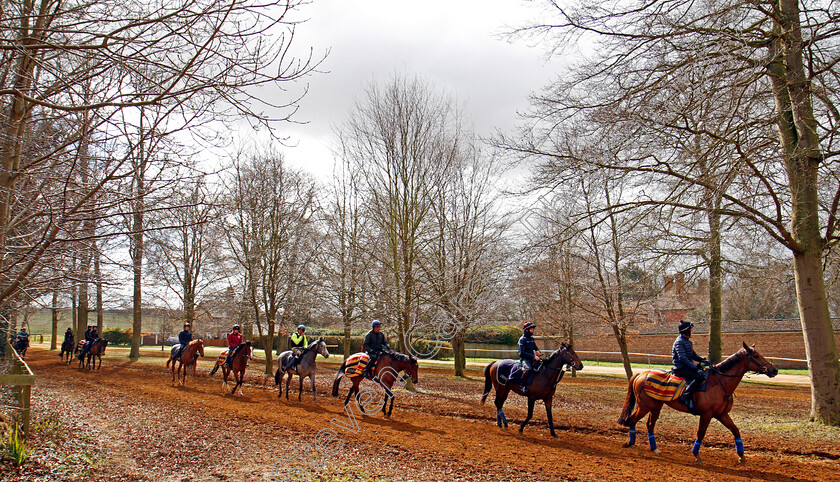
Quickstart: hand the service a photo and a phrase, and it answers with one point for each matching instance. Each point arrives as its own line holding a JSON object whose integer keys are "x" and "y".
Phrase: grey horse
{"x": 305, "y": 367}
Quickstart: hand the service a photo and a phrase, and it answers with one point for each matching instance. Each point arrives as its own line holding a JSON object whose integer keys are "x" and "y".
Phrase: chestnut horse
{"x": 715, "y": 402}
{"x": 237, "y": 366}
{"x": 97, "y": 348}
{"x": 388, "y": 367}
{"x": 542, "y": 387}
{"x": 189, "y": 358}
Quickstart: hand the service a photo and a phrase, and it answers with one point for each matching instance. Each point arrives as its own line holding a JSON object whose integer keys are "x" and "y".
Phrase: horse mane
{"x": 398, "y": 356}
{"x": 731, "y": 361}
{"x": 195, "y": 341}
{"x": 563, "y": 346}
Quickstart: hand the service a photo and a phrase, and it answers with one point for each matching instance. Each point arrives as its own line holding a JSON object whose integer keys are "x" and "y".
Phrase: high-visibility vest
{"x": 299, "y": 341}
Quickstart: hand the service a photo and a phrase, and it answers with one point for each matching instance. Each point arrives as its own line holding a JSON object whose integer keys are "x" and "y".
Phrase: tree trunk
{"x": 459, "y": 352}
{"x": 137, "y": 258}
{"x": 97, "y": 273}
{"x": 54, "y": 316}
{"x": 715, "y": 289}
{"x": 347, "y": 337}
{"x": 621, "y": 338}
{"x": 570, "y": 332}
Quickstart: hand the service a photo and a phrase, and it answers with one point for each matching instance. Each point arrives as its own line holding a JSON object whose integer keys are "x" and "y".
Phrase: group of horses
{"x": 714, "y": 400}
{"x": 87, "y": 359}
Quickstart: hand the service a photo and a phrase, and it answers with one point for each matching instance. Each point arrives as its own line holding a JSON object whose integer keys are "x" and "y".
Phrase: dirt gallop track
{"x": 153, "y": 430}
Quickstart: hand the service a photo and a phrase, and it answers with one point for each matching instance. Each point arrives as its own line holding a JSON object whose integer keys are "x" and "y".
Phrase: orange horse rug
{"x": 664, "y": 386}
{"x": 356, "y": 364}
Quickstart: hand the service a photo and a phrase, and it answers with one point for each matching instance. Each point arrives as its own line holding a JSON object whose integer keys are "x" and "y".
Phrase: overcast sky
{"x": 454, "y": 44}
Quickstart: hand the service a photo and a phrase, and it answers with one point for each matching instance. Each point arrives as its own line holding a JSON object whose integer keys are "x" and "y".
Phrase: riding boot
{"x": 523, "y": 382}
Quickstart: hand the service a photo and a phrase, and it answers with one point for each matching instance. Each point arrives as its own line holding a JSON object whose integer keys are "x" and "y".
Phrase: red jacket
{"x": 234, "y": 339}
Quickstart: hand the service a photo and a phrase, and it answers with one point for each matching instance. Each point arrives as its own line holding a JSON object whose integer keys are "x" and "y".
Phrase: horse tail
{"x": 215, "y": 369}
{"x": 277, "y": 377}
{"x": 488, "y": 382}
{"x": 338, "y": 376}
{"x": 629, "y": 403}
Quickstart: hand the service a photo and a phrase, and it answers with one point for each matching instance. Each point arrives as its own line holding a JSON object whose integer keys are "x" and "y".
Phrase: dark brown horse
{"x": 237, "y": 366}
{"x": 67, "y": 347}
{"x": 97, "y": 348}
{"x": 385, "y": 373}
{"x": 715, "y": 402}
{"x": 189, "y": 358}
{"x": 542, "y": 387}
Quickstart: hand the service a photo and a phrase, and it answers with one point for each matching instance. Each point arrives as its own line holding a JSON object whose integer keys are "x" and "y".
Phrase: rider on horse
{"x": 375, "y": 343}
{"x": 684, "y": 357}
{"x": 299, "y": 342}
{"x": 184, "y": 339}
{"x": 91, "y": 336}
{"x": 69, "y": 337}
{"x": 529, "y": 355}
{"x": 234, "y": 339}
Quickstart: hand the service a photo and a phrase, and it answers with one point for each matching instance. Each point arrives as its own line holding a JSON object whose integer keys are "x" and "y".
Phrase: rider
{"x": 184, "y": 339}
{"x": 23, "y": 336}
{"x": 684, "y": 357}
{"x": 234, "y": 339}
{"x": 68, "y": 336}
{"x": 529, "y": 355}
{"x": 298, "y": 342}
{"x": 90, "y": 336}
{"x": 375, "y": 343}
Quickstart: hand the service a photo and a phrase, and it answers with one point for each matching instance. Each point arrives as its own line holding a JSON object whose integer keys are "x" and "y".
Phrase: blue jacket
{"x": 185, "y": 337}
{"x": 527, "y": 347}
{"x": 684, "y": 355}
{"x": 375, "y": 342}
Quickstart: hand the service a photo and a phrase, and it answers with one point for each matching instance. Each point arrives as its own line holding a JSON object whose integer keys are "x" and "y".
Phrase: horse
{"x": 67, "y": 346}
{"x": 305, "y": 368}
{"x": 21, "y": 345}
{"x": 97, "y": 348}
{"x": 715, "y": 402}
{"x": 238, "y": 365}
{"x": 189, "y": 357}
{"x": 386, "y": 372}
{"x": 542, "y": 387}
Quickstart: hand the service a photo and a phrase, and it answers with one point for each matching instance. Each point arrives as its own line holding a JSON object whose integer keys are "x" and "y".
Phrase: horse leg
{"x": 701, "y": 434}
{"x": 391, "y": 406}
{"x": 547, "y": 402}
{"x": 355, "y": 387}
{"x": 651, "y": 425}
{"x": 288, "y": 383}
{"x": 300, "y": 386}
{"x": 727, "y": 422}
{"x": 239, "y": 384}
{"x": 641, "y": 410}
{"x": 501, "y": 396}
{"x": 531, "y": 402}
{"x": 312, "y": 379}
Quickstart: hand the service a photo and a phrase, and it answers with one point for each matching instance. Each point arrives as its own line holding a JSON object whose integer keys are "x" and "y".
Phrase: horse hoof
{"x": 554, "y": 435}
{"x": 657, "y": 452}
{"x": 742, "y": 461}
{"x": 699, "y": 460}
{"x": 628, "y": 445}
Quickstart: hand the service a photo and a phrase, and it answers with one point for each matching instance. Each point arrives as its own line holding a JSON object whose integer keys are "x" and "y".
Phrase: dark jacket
{"x": 375, "y": 342}
{"x": 527, "y": 347}
{"x": 684, "y": 355}
{"x": 90, "y": 335}
{"x": 185, "y": 337}
{"x": 68, "y": 336}
{"x": 23, "y": 335}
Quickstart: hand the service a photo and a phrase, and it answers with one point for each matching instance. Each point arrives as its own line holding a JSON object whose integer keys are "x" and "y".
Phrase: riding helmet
{"x": 685, "y": 326}
{"x": 301, "y": 327}
{"x": 375, "y": 324}
{"x": 236, "y": 327}
{"x": 528, "y": 325}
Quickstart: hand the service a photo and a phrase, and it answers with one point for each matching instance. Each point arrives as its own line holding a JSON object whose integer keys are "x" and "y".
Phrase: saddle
{"x": 356, "y": 364}
{"x": 509, "y": 371}
{"x": 666, "y": 386}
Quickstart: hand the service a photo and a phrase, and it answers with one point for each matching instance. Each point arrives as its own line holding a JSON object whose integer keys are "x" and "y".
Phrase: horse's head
{"x": 198, "y": 346}
{"x": 322, "y": 348}
{"x": 246, "y": 350}
{"x": 403, "y": 362}
{"x": 412, "y": 369}
{"x": 565, "y": 355}
{"x": 757, "y": 363}
{"x": 104, "y": 344}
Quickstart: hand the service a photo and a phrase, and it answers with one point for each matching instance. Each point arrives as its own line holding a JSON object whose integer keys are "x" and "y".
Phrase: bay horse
{"x": 542, "y": 387}
{"x": 237, "y": 366}
{"x": 189, "y": 358}
{"x": 67, "y": 346}
{"x": 385, "y": 373}
{"x": 21, "y": 345}
{"x": 97, "y": 348}
{"x": 305, "y": 367}
{"x": 715, "y": 402}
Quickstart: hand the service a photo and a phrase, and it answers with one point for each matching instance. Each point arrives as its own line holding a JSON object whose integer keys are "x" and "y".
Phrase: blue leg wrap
{"x": 652, "y": 440}
{"x": 632, "y": 436}
{"x": 696, "y": 448}
{"x": 739, "y": 447}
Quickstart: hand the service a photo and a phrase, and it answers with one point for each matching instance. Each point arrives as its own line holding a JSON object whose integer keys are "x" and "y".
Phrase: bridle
{"x": 762, "y": 369}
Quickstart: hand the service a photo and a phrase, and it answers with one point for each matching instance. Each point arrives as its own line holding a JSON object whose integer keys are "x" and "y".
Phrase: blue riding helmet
{"x": 301, "y": 327}
{"x": 375, "y": 324}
